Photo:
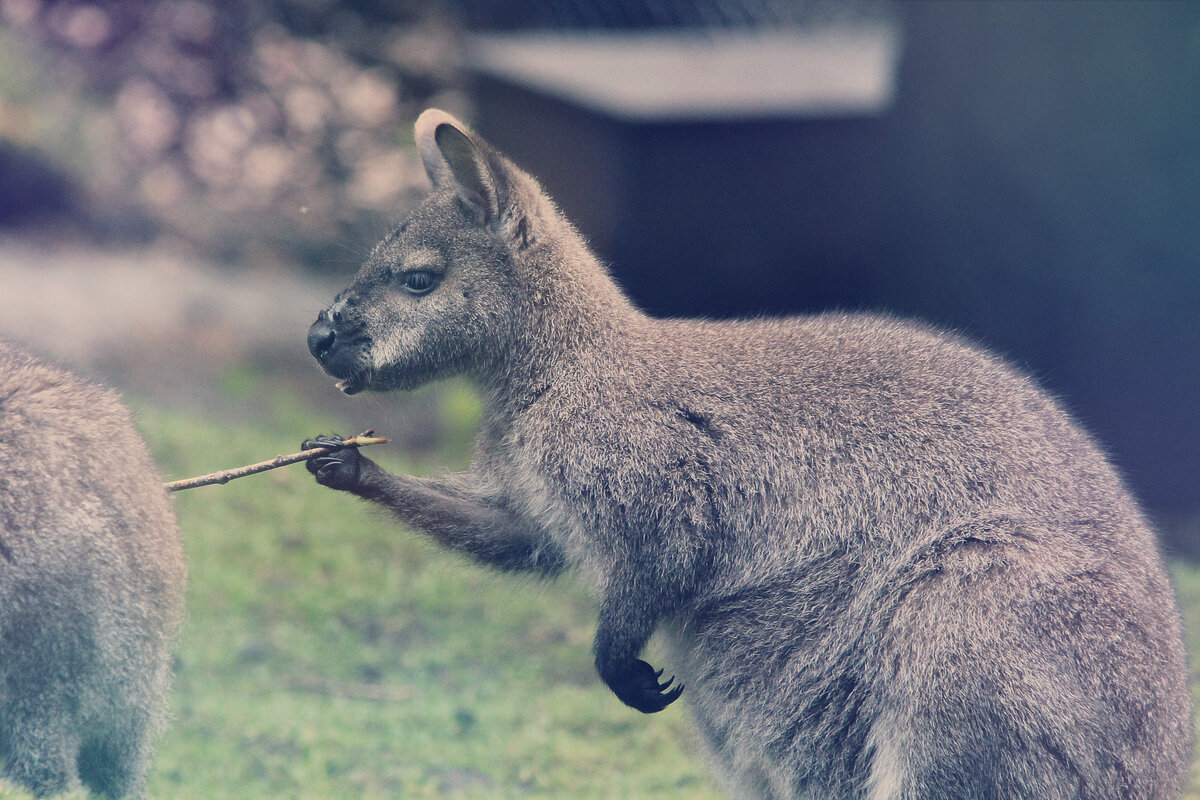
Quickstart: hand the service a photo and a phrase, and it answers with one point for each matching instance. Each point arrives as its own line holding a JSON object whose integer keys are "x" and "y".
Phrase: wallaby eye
{"x": 419, "y": 281}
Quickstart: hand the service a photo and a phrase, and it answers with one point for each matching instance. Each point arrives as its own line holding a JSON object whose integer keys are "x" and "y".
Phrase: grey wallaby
{"x": 884, "y": 563}
{"x": 91, "y": 585}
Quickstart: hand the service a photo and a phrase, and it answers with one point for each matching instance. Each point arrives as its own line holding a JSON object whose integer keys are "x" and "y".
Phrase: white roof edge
{"x": 657, "y": 76}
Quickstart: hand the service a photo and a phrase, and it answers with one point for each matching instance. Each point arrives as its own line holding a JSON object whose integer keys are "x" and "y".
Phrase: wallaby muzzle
{"x": 339, "y": 347}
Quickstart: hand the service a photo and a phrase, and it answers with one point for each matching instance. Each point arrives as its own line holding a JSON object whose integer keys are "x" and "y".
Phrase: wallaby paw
{"x": 338, "y": 469}
{"x": 638, "y": 687}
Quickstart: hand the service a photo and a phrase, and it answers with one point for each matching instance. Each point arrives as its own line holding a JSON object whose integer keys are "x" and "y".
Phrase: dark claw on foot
{"x": 639, "y": 688}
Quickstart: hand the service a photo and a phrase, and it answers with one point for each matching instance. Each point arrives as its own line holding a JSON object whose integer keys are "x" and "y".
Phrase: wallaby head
{"x": 440, "y": 295}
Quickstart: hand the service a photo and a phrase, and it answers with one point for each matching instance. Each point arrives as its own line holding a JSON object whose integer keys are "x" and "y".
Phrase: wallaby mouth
{"x": 353, "y": 374}
{"x": 352, "y": 385}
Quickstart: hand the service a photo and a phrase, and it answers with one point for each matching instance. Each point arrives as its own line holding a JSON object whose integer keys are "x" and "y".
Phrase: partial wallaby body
{"x": 886, "y": 565}
{"x": 91, "y": 585}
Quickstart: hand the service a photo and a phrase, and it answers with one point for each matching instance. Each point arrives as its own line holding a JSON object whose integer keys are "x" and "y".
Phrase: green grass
{"x": 329, "y": 653}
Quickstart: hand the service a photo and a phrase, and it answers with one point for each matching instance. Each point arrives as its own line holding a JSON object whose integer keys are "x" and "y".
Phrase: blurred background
{"x": 185, "y": 182}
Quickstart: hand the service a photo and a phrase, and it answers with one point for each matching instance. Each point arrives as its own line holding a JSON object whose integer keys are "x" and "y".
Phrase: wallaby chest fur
{"x": 885, "y": 563}
{"x": 91, "y": 585}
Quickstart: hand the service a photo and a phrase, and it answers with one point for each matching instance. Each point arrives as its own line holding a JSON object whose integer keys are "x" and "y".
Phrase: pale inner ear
{"x": 431, "y": 156}
{"x": 472, "y": 178}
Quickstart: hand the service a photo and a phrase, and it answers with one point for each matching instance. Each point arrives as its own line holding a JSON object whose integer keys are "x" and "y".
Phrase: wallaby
{"x": 884, "y": 563}
{"x": 91, "y": 585}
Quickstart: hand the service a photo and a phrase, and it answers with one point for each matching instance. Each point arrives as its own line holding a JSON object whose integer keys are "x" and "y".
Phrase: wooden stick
{"x": 225, "y": 476}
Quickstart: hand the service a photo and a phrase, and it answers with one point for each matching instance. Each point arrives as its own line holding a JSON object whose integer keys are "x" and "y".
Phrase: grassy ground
{"x": 329, "y": 654}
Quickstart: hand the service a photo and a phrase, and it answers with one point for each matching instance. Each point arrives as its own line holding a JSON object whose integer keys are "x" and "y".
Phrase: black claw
{"x": 638, "y": 686}
{"x": 330, "y": 441}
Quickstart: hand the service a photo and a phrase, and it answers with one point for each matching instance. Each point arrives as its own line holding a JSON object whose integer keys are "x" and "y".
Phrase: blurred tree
{"x": 244, "y": 129}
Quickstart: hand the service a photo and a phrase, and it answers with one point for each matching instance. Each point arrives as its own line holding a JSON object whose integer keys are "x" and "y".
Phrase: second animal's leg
{"x": 42, "y": 745}
{"x": 114, "y": 763}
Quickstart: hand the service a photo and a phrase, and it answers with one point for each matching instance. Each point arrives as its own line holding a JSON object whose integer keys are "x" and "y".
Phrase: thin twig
{"x": 225, "y": 476}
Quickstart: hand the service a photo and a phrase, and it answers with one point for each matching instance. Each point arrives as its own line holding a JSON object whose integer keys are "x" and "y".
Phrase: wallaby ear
{"x": 451, "y": 155}
{"x": 431, "y": 156}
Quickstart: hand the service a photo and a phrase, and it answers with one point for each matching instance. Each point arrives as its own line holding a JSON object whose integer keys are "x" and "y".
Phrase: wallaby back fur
{"x": 91, "y": 583}
{"x": 885, "y": 563}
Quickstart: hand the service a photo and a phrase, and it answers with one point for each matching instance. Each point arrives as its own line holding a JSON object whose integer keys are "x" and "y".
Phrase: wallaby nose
{"x": 321, "y": 337}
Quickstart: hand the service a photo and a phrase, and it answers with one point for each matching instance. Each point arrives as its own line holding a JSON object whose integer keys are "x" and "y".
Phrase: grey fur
{"x": 886, "y": 564}
{"x": 91, "y": 583}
